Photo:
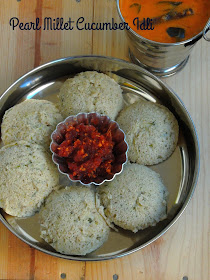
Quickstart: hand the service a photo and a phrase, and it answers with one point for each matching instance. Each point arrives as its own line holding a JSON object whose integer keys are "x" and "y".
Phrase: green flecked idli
{"x": 27, "y": 177}
{"x": 90, "y": 92}
{"x": 32, "y": 121}
{"x": 151, "y": 132}
{"x": 134, "y": 200}
{"x": 70, "y": 222}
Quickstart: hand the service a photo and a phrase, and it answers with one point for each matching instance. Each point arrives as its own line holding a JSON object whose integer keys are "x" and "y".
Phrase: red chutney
{"x": 88, "y": 152}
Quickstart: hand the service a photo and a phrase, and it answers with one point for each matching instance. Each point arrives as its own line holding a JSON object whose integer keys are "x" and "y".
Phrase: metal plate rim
{"x": 197, "y": 160}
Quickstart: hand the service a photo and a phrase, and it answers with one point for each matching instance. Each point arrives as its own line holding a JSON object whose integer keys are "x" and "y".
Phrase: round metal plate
{"x": 179, "y": 172}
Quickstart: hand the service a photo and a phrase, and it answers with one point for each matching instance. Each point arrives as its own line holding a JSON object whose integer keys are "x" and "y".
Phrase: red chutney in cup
{"x": 89, "y": 148}
{"x": 88, "y": 152}
{"x": 173, "y": 21}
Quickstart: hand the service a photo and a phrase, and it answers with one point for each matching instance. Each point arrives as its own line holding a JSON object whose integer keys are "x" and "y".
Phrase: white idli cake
{"x": 32, "y": 121}
{"x": 136, "y": 199}
{"x": 151, "y": 132}
{"x": 70, "y": 222}
{"x": 28, "y": 175}
{"x": 91, "y": 92}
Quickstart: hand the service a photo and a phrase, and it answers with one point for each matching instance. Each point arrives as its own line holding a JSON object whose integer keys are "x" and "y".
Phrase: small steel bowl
{"x": 103, "y": 124}
{"x": 162, "y": 59}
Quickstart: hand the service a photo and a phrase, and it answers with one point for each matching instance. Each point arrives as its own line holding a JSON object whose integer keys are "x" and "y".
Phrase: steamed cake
{"x": 151, "y": 132}
{"x": 32, "y": 121}
{"x": 28, "y": 175}
{"x": 90, "y": 92}
{"x": 136, "y": 199}
{"x": 70, "y": 222}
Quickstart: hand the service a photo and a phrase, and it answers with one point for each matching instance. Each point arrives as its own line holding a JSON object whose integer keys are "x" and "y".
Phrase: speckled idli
{"x": 32, "y": 121}
{"x": 70, "y": 222}
{"x": 151, "y": 132}
{"x": 136, "y": 199}
{"x": 91, "y": 92}
{"x": 27, "y": 177}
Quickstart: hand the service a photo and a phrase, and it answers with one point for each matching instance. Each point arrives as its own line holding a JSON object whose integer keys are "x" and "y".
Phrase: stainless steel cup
{"x": 162, "y": 59}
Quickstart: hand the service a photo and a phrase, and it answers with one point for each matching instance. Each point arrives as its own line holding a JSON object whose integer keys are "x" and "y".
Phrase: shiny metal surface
{"x": 162, "y": 59}
{"x": 170, "y": 71}
{"x": 179, "y": 172}
{"x": 206, "y": 30}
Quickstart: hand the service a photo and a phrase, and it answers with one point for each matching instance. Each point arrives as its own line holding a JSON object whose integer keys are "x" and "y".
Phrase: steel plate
{"x": 179, "y": 172}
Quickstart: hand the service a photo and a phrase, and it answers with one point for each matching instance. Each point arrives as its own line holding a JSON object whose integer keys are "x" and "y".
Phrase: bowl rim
{"x": 197, "y": 158}
{"x": 67, "y": 174}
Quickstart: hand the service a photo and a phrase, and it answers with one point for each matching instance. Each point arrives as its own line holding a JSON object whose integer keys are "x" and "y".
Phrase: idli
{"x": 28, "y": 175}
{"x": 70, "y": 222}
{"x": 135, "y": 199}
{"x": 151, "y": 132}
{"x": 32, "y": 121}
{"x": 90, "y": 92}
